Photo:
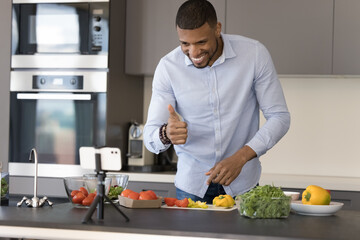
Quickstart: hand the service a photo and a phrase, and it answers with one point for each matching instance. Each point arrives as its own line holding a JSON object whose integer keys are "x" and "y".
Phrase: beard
{"x": 208, "y": 61}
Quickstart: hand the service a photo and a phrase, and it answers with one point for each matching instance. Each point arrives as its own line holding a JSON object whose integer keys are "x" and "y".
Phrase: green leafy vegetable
{"x": 4, "y": 187}
{"x": 114, "y": 192}
{"x": 264, "y": 202}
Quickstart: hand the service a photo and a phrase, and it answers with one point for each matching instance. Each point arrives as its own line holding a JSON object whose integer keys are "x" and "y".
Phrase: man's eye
{"x": 185, "y": 44}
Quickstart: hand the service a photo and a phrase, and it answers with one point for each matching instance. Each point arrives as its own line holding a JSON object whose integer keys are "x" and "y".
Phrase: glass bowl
{"x": 119, "y": 182}
{"x": 87, "y": 185}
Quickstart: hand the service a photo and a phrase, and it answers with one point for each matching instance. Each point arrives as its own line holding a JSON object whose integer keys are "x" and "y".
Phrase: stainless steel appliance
{"x": 138, "y": 155}
{"x": 58, "y": 83}
{"x": 55, "y": 112}
{"x": 60, "y": 34}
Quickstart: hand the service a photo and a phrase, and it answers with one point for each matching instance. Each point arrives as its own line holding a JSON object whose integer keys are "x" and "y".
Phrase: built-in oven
{"x": 60, "y": 34}
{"x": 55, "y": 112}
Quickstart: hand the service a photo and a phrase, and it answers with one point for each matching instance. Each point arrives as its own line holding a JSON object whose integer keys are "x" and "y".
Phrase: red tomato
{"x": 91, "y": 195}
{"x": 87, "y": 201}
{"x": 74, "y": 192}
{"x": 144, "y": 195}
{"x": 126, "y": 192}
{"x": 134, "y": 195}
{"x": 78, "y": 198}
{"x": 182, "y": 203}
{"x": 84, "y": 191}
{"x": 170, "y": 201}
{"x": 152, "y": 194}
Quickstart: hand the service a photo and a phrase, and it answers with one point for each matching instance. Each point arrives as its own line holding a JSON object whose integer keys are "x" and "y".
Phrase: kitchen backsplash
{"x": 325, "y": 127}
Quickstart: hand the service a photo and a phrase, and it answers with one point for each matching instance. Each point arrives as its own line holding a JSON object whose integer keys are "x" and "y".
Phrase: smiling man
{"x": 206, "y": 98}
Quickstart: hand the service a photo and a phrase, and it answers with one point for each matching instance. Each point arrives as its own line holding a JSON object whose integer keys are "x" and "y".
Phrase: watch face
{"x": 135, "y": 131}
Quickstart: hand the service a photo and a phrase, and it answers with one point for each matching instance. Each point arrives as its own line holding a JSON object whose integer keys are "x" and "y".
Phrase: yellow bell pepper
{"x": 315, "y": 195}
{"x": 224, "y": 201}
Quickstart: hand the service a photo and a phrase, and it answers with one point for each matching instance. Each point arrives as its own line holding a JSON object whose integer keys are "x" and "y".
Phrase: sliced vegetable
{"x": 170, "y": 201}
{"x": 182, "y": 203}
{"x": 197, "y": 204}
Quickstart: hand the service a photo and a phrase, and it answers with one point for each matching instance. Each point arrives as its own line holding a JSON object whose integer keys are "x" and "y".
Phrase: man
{"x": 205, "y": 101}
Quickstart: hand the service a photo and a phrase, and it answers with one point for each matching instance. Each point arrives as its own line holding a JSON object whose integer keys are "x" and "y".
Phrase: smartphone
{"x": 110, "y": 158}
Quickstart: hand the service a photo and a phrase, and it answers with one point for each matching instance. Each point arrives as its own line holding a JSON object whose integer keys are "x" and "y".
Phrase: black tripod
{"x": 99, "y": 199}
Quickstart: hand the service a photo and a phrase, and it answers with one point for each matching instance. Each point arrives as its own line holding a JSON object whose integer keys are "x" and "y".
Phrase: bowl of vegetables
{"x": 81, "y": 191}
{"x": 264, "y": 202}
{"x": 119, "y": 182}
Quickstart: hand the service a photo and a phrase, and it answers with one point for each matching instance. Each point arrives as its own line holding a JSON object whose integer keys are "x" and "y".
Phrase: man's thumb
{"x": 172, "y": 112}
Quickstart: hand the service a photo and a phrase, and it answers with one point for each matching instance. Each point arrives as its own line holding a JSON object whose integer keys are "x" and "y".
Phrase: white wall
{"x": 322, "y": 142}
{"x": 325, "y": 132}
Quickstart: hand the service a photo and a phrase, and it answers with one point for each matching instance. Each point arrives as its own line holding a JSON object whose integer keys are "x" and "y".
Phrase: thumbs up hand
{"x": 176, "y": 129}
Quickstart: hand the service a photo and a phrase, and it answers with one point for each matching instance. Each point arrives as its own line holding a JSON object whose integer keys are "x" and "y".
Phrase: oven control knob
{"x": 73, "y": 81}
{"x": 97, "y": 18}
{"x": 42, "y": 81}
{"x": 97, "y": 29}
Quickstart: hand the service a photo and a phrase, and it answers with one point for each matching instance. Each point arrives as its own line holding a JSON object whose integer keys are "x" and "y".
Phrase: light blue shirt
{"x": 220, "y": 105}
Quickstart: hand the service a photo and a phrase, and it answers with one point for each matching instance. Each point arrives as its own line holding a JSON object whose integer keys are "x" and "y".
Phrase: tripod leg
{"x": 91, "y": 210}
{"x": 116, "y": 207}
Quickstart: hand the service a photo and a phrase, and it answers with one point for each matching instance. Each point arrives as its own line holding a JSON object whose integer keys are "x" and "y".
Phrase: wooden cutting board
{"x": 210, "y": 208}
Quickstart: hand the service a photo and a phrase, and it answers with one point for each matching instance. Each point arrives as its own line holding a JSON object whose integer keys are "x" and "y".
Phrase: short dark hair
{"x": 193, "y": 14}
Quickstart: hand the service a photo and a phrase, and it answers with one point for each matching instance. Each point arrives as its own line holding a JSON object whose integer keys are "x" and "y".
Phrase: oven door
{"x": 60, "y": 35}
{"x": 56, "y": 124}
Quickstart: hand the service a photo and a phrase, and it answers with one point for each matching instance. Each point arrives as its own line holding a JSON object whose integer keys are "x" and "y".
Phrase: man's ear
{"x": 218, "y": 29}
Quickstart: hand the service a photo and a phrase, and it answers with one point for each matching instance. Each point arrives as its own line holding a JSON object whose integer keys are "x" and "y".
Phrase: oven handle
{"x": 53, "y": 96}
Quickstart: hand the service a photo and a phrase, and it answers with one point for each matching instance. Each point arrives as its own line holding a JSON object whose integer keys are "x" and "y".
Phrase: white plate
{"x": 316, "y": 210}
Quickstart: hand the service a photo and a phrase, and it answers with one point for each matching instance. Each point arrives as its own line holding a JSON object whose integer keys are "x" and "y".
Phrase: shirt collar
{"x": 228, "y": 52}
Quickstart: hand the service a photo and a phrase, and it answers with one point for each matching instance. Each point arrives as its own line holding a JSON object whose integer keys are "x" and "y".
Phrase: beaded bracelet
{"x": 162, "y": 134}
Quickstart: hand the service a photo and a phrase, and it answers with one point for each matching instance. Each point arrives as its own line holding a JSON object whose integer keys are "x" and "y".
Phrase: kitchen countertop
{"x": 62, "y": 221}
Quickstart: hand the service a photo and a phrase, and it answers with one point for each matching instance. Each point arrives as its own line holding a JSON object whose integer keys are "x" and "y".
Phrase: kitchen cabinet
{"x": 297, "y": 33}
{"x": 151, "y": 32}
{"x": 347, "y": 37}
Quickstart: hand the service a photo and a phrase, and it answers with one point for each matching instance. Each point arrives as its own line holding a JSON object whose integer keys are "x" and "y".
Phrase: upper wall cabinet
{"x": 347, "y": 37}
{"x": 151, "y": 32}
{"x": 297, "y": 33}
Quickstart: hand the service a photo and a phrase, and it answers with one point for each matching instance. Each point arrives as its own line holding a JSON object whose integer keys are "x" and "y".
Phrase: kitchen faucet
{"x": 35, "y": 201}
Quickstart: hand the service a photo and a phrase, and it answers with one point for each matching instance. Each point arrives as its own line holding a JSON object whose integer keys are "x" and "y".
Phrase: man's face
{"x": 201, "y": 44}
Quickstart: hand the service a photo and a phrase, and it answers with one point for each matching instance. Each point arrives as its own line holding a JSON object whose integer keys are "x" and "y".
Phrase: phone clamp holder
{"x": 101, "y": 196}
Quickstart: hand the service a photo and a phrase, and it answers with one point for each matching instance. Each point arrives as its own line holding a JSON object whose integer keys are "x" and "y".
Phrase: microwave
{"x": 60, "y": 34}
